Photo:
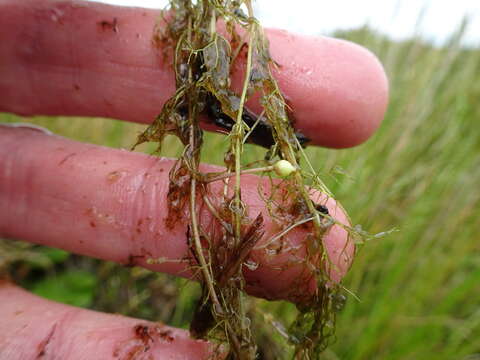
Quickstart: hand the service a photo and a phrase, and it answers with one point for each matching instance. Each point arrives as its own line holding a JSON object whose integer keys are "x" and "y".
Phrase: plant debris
{"x": 203, "y": 57}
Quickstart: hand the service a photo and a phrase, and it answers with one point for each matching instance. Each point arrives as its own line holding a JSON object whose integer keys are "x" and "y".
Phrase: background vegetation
{"x": 419, "y": 288}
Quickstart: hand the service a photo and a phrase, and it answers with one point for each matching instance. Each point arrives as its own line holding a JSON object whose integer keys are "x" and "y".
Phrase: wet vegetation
{"x": 203, "y": 59}
{"x": 417, "y": 288}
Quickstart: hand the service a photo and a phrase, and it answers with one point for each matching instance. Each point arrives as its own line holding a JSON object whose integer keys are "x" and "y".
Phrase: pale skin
{"x": 74, "y": 58}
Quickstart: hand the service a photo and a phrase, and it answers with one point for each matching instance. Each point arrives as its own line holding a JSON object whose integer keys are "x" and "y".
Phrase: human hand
{"x": 77, "y": 58}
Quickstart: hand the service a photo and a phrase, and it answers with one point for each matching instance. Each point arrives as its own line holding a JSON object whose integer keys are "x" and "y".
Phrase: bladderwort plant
{"x": 205, "y": 38}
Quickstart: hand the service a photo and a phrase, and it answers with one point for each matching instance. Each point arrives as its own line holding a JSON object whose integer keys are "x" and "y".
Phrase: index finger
{"x": 88, "y": 59}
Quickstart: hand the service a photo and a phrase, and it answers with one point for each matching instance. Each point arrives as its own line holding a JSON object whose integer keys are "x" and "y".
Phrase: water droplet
{"x": 251, "y": 265}
{"x": 338, "y": 302}
{"x": 271, "y": 252}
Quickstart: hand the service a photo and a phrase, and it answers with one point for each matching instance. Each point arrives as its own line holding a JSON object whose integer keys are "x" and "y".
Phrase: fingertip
{"x": 338, "y": 90}
{"x": 286, "y": 274}
{"x": 337, "y": 242}
{"x": 112, "y": 207}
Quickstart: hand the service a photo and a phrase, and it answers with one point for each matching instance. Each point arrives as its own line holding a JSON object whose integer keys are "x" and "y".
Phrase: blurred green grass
{"x": 419, "y": 288}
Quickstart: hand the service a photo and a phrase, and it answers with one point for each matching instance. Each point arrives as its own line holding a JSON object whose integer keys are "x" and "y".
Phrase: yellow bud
{"x": 283, "y": 168}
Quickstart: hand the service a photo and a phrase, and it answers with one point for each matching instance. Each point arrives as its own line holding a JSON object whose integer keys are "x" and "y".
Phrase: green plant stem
{"x": 242, "y": 172}
{"x": 208, "y": 279}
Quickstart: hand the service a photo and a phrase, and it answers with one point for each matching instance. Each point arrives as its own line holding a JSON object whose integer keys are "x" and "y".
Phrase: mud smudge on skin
{"x": 139, "y": 226}
{"x": 145, "y": 336}
{"x": 42, "y": 347}
{"x": 116, "y": 175}
{"x": 142, "y": 333}
{"x": 109, "y": 25}
{"x": 148, "y": 334}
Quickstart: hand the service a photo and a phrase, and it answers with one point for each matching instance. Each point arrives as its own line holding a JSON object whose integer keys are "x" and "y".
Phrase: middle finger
{"x": 112, "y": 204}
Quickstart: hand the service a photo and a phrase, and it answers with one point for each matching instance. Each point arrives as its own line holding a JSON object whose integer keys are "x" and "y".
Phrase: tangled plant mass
{"x": 227, "y": 239}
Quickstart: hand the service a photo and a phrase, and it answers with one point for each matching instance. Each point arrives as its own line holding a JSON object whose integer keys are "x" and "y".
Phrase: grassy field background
{"x": 419, "y": 288}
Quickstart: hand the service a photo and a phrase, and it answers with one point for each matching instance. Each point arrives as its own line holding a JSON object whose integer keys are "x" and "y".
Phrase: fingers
{"x": 82, "y": 58}
{"x": 112, "y": 204}
{"x": 35, "y": 328}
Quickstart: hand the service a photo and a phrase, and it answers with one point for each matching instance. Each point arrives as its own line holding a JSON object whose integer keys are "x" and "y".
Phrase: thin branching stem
{"x": 242, "y": 172}
{"x": 193, "y": 196}
{"x": 238, "y": 139}
{"x": 283, "y": 233}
